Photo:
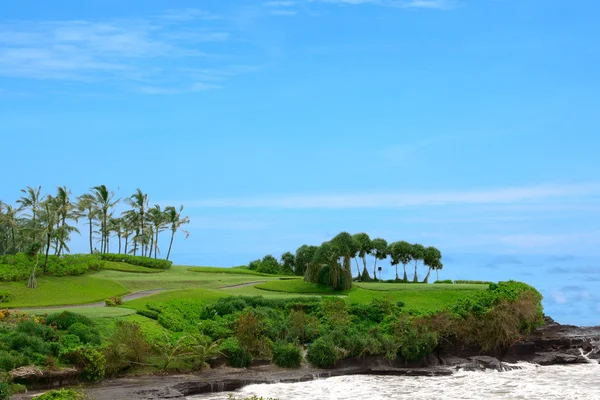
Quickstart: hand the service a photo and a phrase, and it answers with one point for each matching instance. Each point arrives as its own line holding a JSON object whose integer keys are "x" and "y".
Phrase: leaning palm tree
{"x": 49, "y": 216}
{"x": 139, "y": 202}
{"x": 66, "y": 212}
{"x": 176, "y": 221}
{"x": 103, "y": 201}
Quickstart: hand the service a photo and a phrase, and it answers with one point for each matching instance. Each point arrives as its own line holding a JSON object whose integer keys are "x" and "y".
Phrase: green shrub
{"x": 302, "y": 326}
{"x": 138, "y": 260}
{"x": 70, "y": 342}
{"x": 114, "y": 301}
{"x": 182, "y": 314}
{"x": 4, "y": 391}
{"x": 287, "y": 355}
{"x": 26, "y": 344}
{"x": 86, "y": 334}
{"x": 62, "y": 394}
{"x": 473, "y": 282}
{"x": 447, "y": 281}
{"x": 36, "y": 329}
{"x": 322, "y": 353}
{"x": 237, "y": 356}
{"x": 16, "y": 388}
{"x": 127, "y": 346}
{"x": 13, "y": 359}
{"x": 5, "y": 296}
{"x": 148, "y": 313}
{"x": 65, "y": 319}
{"x": 90, "y": 360}
{"x": 219, "y": 328}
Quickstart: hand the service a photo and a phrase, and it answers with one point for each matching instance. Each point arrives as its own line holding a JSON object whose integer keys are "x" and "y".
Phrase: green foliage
{"x": 86, "y": 334}
{"x": 126, "y": 347}
{"x": 180, "y": 314}
{"x": 287, "y": 355}
{"x": 114, "y": 301}
{"x": 65, "y": 319}
{"x": 288, "y": 261}
{"x": 138, "y": 260}
{"x": 472, "y": 282}
{"x": 302, "y": 327}
{"x": 237, "y": 356}
{"x": 148, "y": 313}
{"x": 242, "y": 270}
{"x": 322, "y": 353}
{"x": 18, "y": 267}
{"x": 251, "y": 332}
{"x": 218, "y": 328}
{"x": 5, "y": 392}
{"x": 5, "y": 296}
{"x": 91, "y": 361}
{"x": 447, "y": 281}
{"x": 62, "y": 394}
{"x": 304, "y": 256}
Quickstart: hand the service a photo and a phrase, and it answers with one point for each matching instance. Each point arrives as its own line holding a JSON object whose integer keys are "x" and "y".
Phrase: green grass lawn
{"x": 234, "y": 271}
{"x": 53, "y": 291}
{"x": 296, "y": 286}
{"x": 92, "y": 312}
{"x": 207, "y": 295}
{"x": 124, "y": 267}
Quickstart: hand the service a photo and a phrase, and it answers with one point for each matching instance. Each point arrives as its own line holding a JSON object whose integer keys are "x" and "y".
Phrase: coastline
{"x": 551, "y": 344}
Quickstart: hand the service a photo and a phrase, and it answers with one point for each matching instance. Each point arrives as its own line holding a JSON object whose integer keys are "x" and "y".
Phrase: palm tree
{"x": 49, "y": 216}
{"x": 103, "y": 201}
{"x": 379, "y": 252}
{"x": 66, "y": 211}
{"x": 139, "y": 202}
{"x": 115, "y": 226}
{"x": 86, "y": 208}
{"x": 157, "y": 218}
{"x": 417, "y": 253}
{"x": 131, "y": 218}
{"x": 176, "y": 221}
{"x": 31, "y": 200}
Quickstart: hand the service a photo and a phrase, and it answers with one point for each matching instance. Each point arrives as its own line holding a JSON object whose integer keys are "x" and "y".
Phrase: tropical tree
{"x": 31, "y": 201}
{"x": 174, "y": 219}
{"x": 48, "y": 218}
{"x": 10, "y": 220}
{"x": 157, "y": 219}
{"x": 432, "y": 258}
{"x": 346, "y": 248}
{"x": 115, "y": 225}
{"x": 401, "y": 253}
{"x": 86, "y": 207}
{"x": 132, "y": 218}
{"x": 417, "y": 253}
{"x": 139, "y": 202}
{"x": 65, "y": 212}
{"x": 304, "y": 256}
{"x": 288, "y": 262}
{"x": 103, "y": 202}
{"x": 379, "y": 252}
{"x": 326, "y": 268}
{"x": 363, "y": 244}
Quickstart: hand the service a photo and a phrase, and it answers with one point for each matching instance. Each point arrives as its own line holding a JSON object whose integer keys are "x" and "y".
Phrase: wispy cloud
{"x": 284, "y": 7}
{"x": 394, "y": 200}
{"x": 141, "y": 52}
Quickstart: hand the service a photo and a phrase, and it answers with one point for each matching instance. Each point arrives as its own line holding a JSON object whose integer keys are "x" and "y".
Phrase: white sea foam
{"x": 576, "y": 382}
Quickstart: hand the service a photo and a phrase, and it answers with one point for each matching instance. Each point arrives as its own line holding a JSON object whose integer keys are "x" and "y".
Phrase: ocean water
{"x": 532, "y": 382}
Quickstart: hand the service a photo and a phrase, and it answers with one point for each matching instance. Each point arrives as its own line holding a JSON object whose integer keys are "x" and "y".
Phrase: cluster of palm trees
{"x": 330, "y": 263}
{"x": 47, "y": 222}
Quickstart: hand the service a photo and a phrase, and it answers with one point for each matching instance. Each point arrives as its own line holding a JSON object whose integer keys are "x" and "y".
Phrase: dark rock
{"x": 557, "y": 358}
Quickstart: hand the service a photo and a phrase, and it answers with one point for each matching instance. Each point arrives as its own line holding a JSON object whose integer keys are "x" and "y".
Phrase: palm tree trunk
{"x": 437, "y": 274}
{"x": 170, "y": 244}
{"x": 119, "y": 237}
{"x": 47, "y": 251}
{"x": 357, "y": 267}
{"x": 405, "y": 279}
{"x": 13, "y": 239}
{"x": 375, "y": 269}
{"x": 397, "y": 272}
{"x": 91, "y": 234}
{"x": 426, "y": 280}
{"x": 126, "y": 243}
{"x": 365, "y": 273}
{"x": 156, "y": 243}
{"x": 415, "y": 278}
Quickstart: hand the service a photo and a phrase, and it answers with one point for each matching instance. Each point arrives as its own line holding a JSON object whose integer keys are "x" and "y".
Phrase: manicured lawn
{"x": 53, "y": 291}
{"x": 418, "y": 286}
{"x": 207, "y": 295}
{"x": 296, "y": 286}
{"x": 92, "y": 312}
{"x": 235, "y": 271}
{"x": 124, "y": 267}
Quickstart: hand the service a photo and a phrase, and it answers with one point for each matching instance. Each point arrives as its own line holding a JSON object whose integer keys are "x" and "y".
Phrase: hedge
{"x": 138, "y": 260}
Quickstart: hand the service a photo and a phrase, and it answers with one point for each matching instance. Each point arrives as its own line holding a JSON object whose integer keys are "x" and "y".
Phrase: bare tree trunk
{"x": 32, "y": 283}
{"x": 91, "y": 236}
{"x": 426, "y": 280}
{"x": 405, "y": 279}
{"x": 375, "y": 269}
{"x": 416, "y": 278}
{"x": 156, "y": 243}
{"x": 47, "y": 251}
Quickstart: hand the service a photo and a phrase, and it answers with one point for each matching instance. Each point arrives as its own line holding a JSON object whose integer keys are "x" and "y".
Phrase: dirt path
{"x": 241, "y": 285}
{"x": 127, "y": 297}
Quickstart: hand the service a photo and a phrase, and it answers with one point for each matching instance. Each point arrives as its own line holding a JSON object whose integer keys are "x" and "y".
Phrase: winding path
{"x": 127, "y": 297}
{"x": 242, "y": 285}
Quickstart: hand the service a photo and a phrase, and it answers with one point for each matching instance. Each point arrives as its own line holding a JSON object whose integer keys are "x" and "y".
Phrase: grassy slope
{"x": 53, "y": 291}
{"x": 124, "y": 267}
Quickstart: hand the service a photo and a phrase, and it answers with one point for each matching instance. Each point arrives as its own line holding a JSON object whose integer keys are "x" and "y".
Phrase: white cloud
{"x": 394, "y": 200}
{"x": 136, "y": 52}
{"x": 558, "y": 297}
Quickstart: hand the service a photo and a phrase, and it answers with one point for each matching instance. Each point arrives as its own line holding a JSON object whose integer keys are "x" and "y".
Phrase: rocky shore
{"x": 552, "y": 344}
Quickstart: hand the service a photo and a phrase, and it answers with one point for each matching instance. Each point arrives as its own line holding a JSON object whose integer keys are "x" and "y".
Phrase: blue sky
{"x": 468, "y": 125}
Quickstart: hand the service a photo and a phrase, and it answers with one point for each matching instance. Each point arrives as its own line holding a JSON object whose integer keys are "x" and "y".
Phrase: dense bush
{"x": 5, "y": 296}
{"x": 126, "y": 347}
{"x": 322, "y": 353}
{"x": 65, "y": 319}
{"x": 4, "y": 390}
{"x": 474, "y": 282}
{"x": 85, "y": 333}
{"x": 287, "y": 355}
{"x": 138, "y": 260}
{"x": 181, "y": 314}
{"x": 113, "y": 301}
{"x": 237, "y": 356}
{"x": 18, "y": 267}
{"x": 148, "y": 313}
{"x": 91, "y": 361}
{"x": 444, "y": 281}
